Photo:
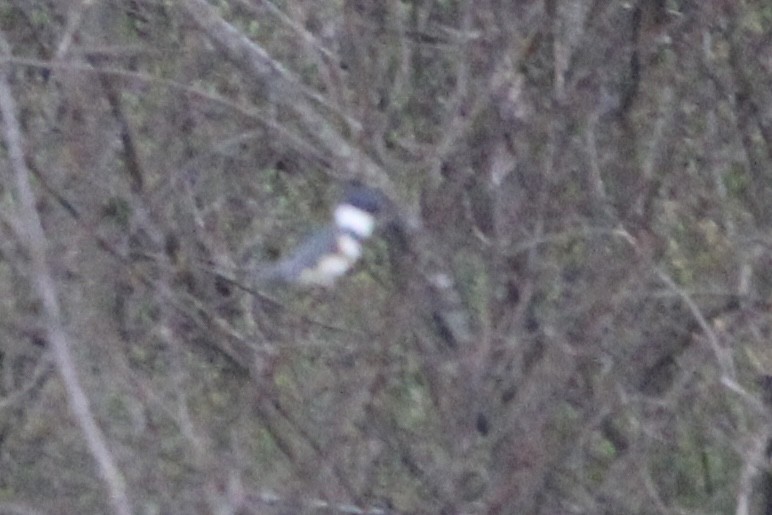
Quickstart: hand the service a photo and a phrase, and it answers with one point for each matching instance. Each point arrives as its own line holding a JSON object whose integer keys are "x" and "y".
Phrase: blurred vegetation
{"x": 569, "y": 312}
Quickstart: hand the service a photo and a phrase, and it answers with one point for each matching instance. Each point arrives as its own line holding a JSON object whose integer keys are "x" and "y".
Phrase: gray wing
{"x": 289, "y": 268}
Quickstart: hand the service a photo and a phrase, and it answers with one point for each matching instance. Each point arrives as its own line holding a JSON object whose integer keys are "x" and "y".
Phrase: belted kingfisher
{"x": 334, "y": 249}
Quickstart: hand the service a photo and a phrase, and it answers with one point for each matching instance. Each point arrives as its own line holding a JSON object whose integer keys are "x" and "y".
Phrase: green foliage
{"x": 474, "y": 284}
{"x": 737, "y": 181}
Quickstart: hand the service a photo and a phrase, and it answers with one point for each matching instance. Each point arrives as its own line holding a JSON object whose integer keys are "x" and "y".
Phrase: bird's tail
{"x": 269, "y": 275}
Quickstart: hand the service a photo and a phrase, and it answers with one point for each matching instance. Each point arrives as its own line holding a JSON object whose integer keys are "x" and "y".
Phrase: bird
{"x": 331, "y": 251}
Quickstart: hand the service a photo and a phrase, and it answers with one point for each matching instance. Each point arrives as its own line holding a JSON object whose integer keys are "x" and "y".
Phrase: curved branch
{"x": 285, "y": 90}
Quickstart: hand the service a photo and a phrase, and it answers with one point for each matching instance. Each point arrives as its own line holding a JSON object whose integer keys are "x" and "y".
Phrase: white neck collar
{"x": 357, "y": 221}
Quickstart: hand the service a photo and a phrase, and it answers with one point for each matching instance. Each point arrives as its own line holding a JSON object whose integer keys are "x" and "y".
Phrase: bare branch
{"x": 723, "y": 356}
{"x": 754, "y": 457}
{"x": 286, "y": 90}
{"x": 29, "y": 222}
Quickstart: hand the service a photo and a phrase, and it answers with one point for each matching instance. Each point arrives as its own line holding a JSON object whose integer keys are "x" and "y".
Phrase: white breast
{"x": 334, "y": 265}
{"x": 349, "y": 247}
{"x": 327, "y": 270}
